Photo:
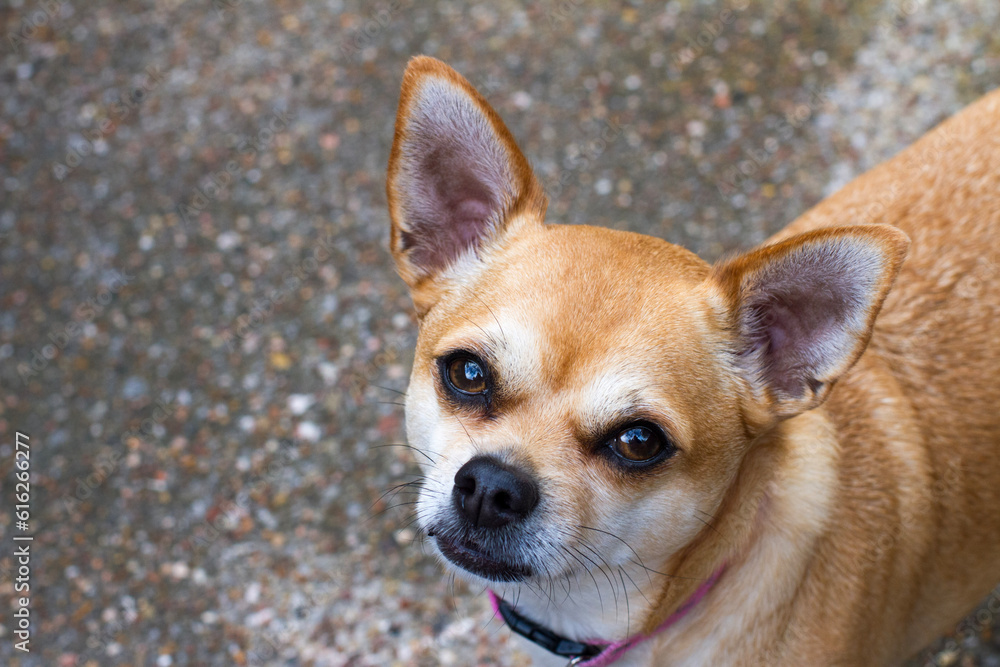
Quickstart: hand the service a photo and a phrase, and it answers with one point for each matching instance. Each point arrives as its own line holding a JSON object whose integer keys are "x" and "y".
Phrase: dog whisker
{"x": 710, "y": 526}
{"x": 614, "y": 588}
{"x": 395, "y": 391}
{"x": 391, "y": 507}
{"x": 472, "y": 441}
{"x": 406, "y": 446}
{"x": 410, "y": 523}
{"x": 629, "y": 546}
{"x": 451, "y": 588}
{"x": 500, "y": 326}
{"x": 597, "y": 586}
{"x": 606, "y": 569}
{"x": 628, "y": 609}
{"x": 576, "y": 555}
{"x": 393, "y": 489}
{"x": 622, "y": 569}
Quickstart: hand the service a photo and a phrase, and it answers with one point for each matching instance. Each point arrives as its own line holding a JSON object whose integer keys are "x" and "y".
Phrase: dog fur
{"x": 834, "y": 406}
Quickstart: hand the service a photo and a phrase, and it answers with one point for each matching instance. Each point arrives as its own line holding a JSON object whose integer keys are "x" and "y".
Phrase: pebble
{"x": 299, "y": 403}
{"x": 308, "y": 431}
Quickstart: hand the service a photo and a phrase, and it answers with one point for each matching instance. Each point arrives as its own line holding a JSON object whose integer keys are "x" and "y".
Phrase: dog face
{"x": 544, "y": 441}
{"x": 585, "y": 398}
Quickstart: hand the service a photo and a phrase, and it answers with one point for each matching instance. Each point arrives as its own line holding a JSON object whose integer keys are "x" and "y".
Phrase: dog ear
{"x": 803, "y": 309}
{"x": 457, "y": 182}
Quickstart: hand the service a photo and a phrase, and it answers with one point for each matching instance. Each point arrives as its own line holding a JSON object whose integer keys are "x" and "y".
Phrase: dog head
{"x": 585, "y": 397}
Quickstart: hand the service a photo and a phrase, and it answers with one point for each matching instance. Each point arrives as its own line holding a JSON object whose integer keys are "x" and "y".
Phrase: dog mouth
{"x": 476, "y": 560}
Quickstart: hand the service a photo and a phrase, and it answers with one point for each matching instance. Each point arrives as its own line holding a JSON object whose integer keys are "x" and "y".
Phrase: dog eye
{"x": 466, "y": 374}
{"x": 638, "y": 443}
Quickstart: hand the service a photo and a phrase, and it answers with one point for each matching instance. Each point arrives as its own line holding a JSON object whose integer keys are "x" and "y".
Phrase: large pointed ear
{"x": 457, "y": 182}
{"x": 802, "y": 310}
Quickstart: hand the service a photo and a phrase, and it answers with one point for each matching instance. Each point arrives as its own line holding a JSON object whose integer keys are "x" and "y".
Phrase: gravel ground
{"x": 200, "y": 327}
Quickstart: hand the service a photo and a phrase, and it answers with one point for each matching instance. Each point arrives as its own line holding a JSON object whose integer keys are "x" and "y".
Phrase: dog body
{"x": 608, "y": 422}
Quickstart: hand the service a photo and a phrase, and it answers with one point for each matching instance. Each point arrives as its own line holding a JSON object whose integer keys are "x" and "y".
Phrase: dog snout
{"x": 491, "y": 494}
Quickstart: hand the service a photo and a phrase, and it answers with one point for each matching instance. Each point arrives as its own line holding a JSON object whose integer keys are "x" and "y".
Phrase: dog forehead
{"x": 567, "y": 304}
{"x": 577, "y": 282}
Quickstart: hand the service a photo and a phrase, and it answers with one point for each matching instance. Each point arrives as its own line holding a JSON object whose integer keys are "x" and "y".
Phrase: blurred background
{"x": 201, "y": 329}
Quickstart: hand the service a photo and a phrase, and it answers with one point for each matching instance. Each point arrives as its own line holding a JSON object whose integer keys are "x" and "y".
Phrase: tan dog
{"x": 789, "y": 458}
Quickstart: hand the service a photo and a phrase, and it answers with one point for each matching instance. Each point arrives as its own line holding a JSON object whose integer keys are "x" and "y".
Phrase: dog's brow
{"x": 475, "y": 338}
{"x": 609, "y": 400}
{"x": 514, "y": 352}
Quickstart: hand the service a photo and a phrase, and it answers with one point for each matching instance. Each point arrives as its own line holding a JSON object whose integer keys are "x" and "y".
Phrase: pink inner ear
{"x": 792, "y": 335}
{"x": 454, "y": 178}
{"x": 449, "y": 209}
{"x": 804, "y": 313}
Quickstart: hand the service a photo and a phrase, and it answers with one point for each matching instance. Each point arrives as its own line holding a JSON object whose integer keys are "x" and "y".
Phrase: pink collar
{"x": 609, "y": 652}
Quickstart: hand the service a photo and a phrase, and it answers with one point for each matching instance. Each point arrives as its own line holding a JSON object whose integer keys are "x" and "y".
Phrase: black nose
{"x": 490, "y": 494}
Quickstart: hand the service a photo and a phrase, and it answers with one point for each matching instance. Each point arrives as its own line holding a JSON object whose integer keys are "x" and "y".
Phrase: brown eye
{"x": 638, "y": 443}
{"x": 466, "y": 374}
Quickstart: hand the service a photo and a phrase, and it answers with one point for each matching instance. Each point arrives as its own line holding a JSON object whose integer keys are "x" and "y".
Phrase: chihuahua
{"x": 790, "y": 457}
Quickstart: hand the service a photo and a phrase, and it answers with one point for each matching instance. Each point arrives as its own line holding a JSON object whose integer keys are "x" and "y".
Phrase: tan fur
{"x": 859, "y": 521}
